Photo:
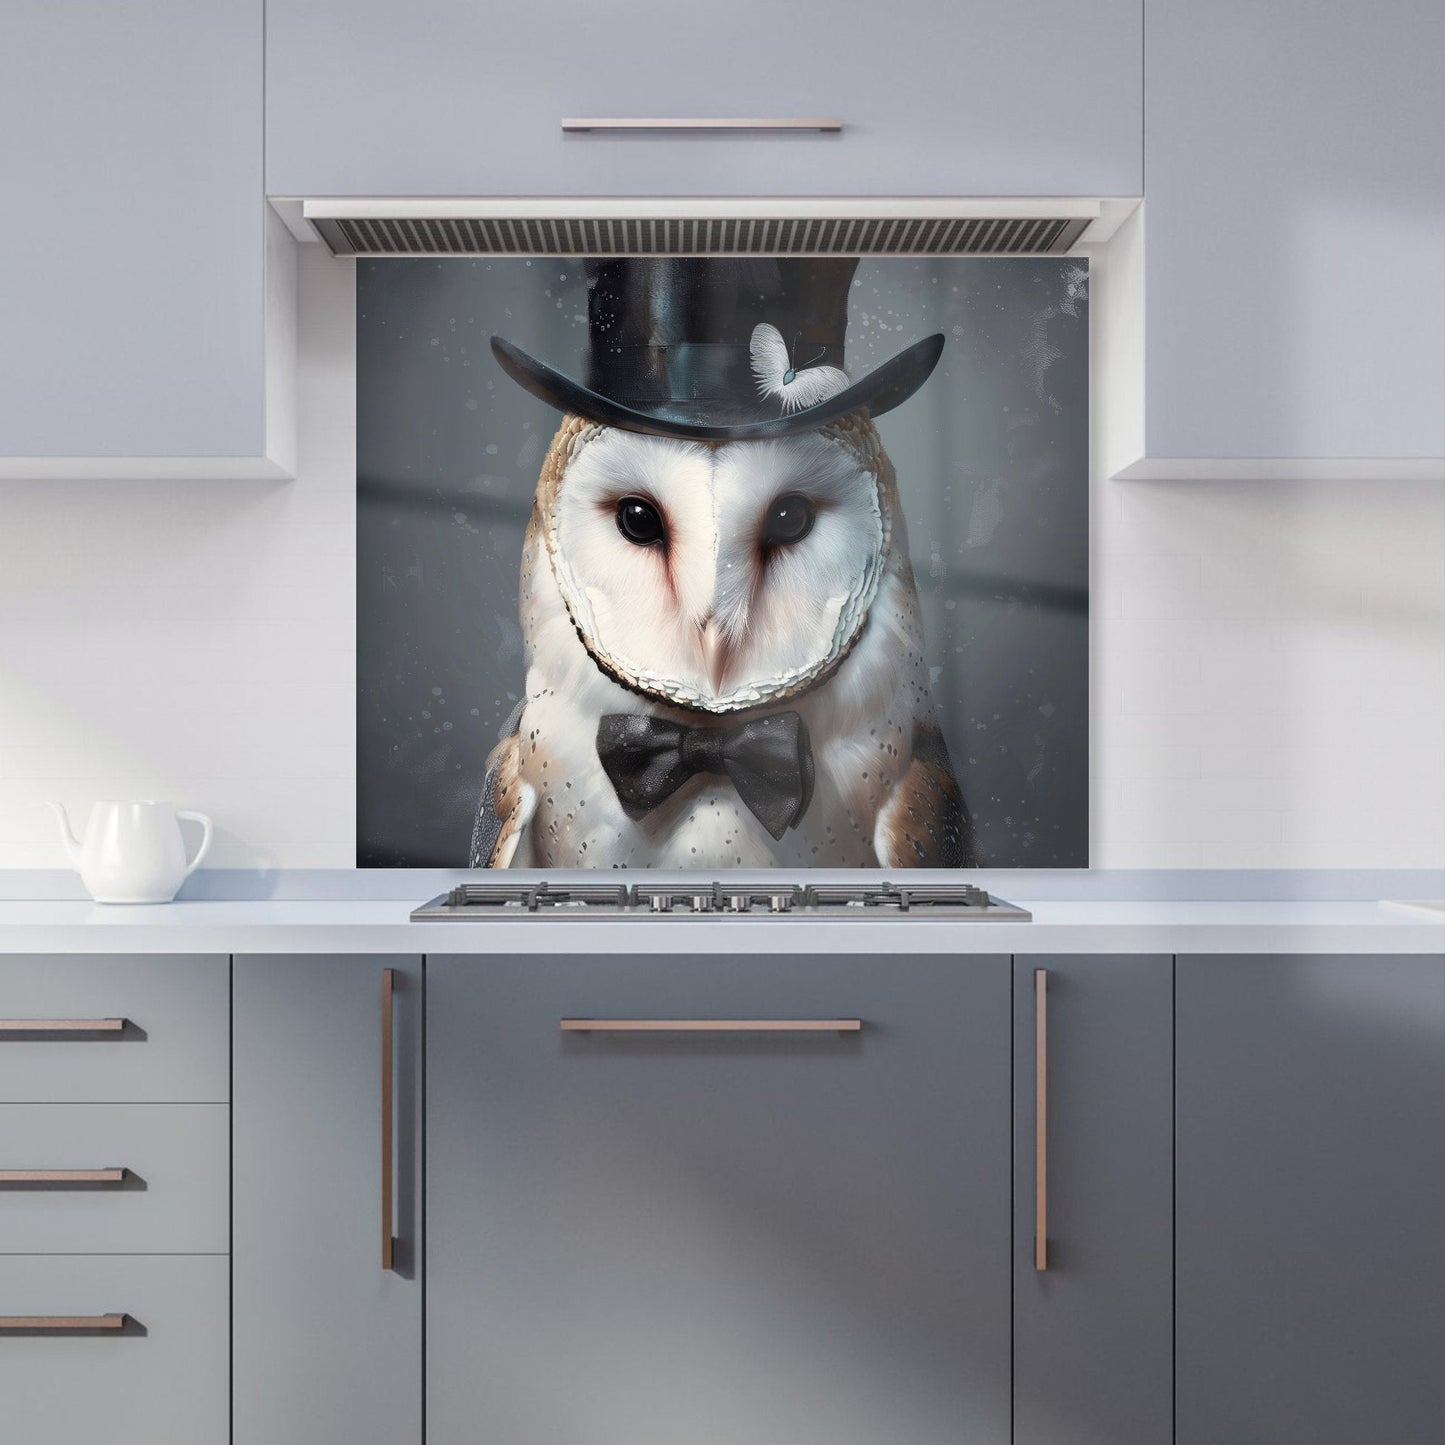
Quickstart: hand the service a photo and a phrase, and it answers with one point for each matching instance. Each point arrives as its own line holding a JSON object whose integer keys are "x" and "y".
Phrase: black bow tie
{"x": 768, "y": 761}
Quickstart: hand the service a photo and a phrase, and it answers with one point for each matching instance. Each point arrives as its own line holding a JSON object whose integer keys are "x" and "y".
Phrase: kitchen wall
{"x": 1268, "y": 658}
{"x": 194, "y": 640}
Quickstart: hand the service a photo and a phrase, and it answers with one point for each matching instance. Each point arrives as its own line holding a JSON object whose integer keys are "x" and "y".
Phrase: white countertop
{"x": 382, "y": 927}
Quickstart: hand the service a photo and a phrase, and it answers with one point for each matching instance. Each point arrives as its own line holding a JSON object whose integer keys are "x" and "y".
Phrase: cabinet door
{"x": 1093, "y": 1354}
{"x": 135, "y": 271}
{"x": 1294, "y": 235}
{"x": 642, "y": 1238}
{"x": 943, "y": 97}
{"x": 1311, "y": 1189}
{"x": 327, "y": 1343}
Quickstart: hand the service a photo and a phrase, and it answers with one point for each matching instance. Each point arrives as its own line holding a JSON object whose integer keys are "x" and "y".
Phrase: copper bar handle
{"x": 78, "y": 1323}
{"x": 63, "y": 1176}
{"x": 388, "y": 1118}
{"x": 711, "y": 1026}
{"x": 703, "y": 124}
{"x": 84, "y": 1027}
{"x": 1041, "y": 1119}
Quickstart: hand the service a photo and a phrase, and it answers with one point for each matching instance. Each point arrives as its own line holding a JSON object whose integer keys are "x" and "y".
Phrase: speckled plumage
{"x": 717, "y": 626}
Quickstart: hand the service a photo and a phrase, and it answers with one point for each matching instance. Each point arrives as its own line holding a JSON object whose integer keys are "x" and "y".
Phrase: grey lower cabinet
{"x": 114, "y": 1218}
{"x": 1311, "y": 1189}
{"x": 1093, "y": 1356}
{"x": 326, "y": 1340}
{"x": 637, "y": 1236}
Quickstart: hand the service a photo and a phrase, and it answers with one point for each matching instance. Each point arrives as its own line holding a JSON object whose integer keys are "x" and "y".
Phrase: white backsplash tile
{"x": 1292, "y": 633}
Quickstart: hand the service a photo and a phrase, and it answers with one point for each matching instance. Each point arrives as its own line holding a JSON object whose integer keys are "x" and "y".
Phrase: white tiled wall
{"x": 1269, "y": 658}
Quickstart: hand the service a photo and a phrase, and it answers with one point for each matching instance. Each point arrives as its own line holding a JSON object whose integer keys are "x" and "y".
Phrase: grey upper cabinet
{"x": 1311, "y": 1189}
{"x": 327, "y": 1342}
{"x": 144, "y": 301}
{"x": 636, "y": 1238}
{"x": 1093, "y": 1353}
{"x": 942, "y": 97}
{"x": 1294, "y": 239}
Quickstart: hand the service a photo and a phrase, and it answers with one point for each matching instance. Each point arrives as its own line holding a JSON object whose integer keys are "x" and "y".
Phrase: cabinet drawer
{"x": 173, "y": 1047}
{"x": 171, "y": 1198}
{"x": 466, "y": 99}
{"x": 163, "y": 1377}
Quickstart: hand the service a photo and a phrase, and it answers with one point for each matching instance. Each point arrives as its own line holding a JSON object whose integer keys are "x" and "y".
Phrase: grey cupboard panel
{"x": 161, "y": 1379}
{"x": 718, "y": 1238}
{"x": 1311, "y": 1189}
{"x": 133, "y": 283}
{"x": 944, "y": 97}
{"x": 1295, "y": 225}
{"x": 174, "y": 1200}
{"x": 174, "y": 1049}
{"x": 327, "y": 1345}
{"x": 1093, "y": 1349}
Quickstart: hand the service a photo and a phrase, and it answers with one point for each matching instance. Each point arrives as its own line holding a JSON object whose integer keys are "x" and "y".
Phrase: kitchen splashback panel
{"x": 644, "y": 585}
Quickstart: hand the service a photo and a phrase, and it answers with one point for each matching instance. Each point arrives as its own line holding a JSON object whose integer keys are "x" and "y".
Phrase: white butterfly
{"x": 776, "y": 375}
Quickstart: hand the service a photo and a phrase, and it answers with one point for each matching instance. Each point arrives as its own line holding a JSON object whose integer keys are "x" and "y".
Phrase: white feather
{"x": 772, "y": 368}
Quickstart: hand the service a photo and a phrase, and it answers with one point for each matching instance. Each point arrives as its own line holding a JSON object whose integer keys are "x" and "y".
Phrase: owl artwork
{"x": 725, "y": 659}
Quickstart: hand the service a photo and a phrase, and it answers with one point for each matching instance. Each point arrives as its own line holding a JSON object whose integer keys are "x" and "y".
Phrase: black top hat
{"x": 681, "y": 346}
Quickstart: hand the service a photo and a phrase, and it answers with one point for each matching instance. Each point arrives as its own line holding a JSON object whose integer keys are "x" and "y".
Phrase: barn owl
{"x": 757, "y": 589}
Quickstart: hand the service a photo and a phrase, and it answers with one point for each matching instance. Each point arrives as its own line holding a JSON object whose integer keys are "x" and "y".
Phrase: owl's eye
{"x": 640, "y": 522}
{"x": 789, "y": 520}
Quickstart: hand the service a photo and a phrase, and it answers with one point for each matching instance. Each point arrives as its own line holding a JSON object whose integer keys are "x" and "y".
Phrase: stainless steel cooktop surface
{"x": 963, "y": 901}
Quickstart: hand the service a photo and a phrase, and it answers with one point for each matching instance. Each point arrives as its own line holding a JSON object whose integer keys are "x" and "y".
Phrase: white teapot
{"x": 133, "y": 852}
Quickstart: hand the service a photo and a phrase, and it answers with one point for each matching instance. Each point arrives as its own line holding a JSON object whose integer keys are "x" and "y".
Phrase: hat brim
{"x": 884, "y": 388}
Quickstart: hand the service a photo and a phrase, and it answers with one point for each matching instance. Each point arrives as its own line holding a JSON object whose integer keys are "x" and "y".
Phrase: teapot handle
{"x": 201, "y": 852}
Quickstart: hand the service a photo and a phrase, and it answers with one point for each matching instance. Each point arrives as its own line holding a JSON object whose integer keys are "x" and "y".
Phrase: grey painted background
{"x": 992, "y": 460}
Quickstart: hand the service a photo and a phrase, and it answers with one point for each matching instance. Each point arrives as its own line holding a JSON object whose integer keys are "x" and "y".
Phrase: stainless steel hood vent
{"x": 641, "y": 228}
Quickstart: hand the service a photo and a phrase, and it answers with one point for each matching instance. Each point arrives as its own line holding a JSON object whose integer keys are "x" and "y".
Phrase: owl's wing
{"x": 506, "y": 806}
{"x": 925, "y": 823}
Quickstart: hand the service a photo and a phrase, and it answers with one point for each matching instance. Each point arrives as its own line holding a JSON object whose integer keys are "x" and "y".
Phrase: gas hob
{"x": 962, "y": 901}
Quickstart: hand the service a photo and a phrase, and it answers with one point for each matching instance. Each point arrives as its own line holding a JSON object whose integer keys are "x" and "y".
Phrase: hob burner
{"x": 877, "y": 900}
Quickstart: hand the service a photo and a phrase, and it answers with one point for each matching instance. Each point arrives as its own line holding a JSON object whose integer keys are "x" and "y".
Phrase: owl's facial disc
{"x": 719, "y": 578}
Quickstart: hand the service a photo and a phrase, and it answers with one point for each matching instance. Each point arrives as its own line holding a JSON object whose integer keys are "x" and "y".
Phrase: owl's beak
{"x": 716, "y": 652}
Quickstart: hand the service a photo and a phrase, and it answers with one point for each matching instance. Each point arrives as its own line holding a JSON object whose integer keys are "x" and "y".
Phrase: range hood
{"x": 699, "y": 226}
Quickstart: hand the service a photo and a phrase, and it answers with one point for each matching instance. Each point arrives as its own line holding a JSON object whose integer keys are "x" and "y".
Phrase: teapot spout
{"x": 68, "y": 840}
